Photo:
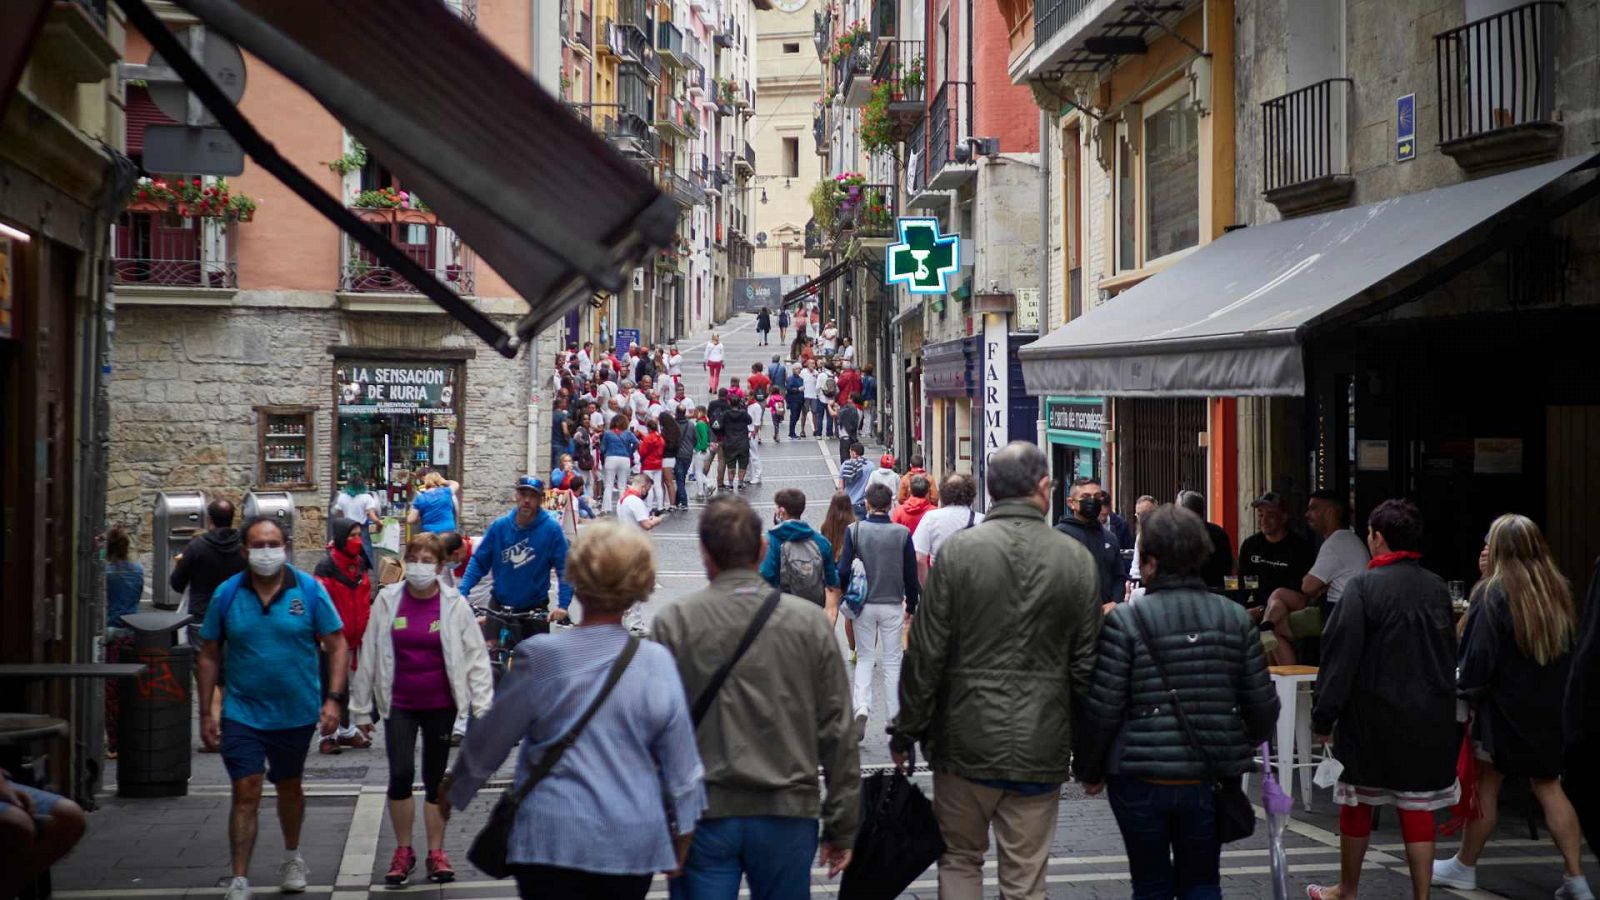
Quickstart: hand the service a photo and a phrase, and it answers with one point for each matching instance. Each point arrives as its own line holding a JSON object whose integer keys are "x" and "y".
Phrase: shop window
{"x": 1171, "y": 152}
{"x": 395, "y": 419}
{"x": 284, "y": 447}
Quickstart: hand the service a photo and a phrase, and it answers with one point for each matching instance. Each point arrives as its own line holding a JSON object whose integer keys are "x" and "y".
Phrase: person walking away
{"x": 422, "y": 659}
{"x": 885, "y": 551}
{"x": 1008, "y": 621}
{"x": 617, "y": 447}
{"x": 776, "y": 409}
{"x": 715, "y": 411}
{"x": 124, "y": 590}
{"x": 560, "y": 429}
{"x": 1178, "y": 646}
{"x": 794, "y": 390}
{"x": 1082, "y": 524}
{"x": 270, "y": 620}
{"x": 634, "y": 510}
{"x": 827, "y": 392}
{"x": 1274, "y": 556}
{"x": 758, "y": 382}
{"x": 841, "y": 515}
{"x": 869, "y": 395}
{"x": 1393, "y": 626}
{"x": 808, "y": 390}
{"x": 916, "y": 506}
{"x": 756, "y": 409}
{"x": 847, "y": 425}
{"x": 852, "y": 479}
{"x": 777, "y": 374}
{"x": 736, "y": 425}
{"x": 1341, "y": 557}
{"x": 764, "y": 325}
{"x": 715, "y": 354}
{"x": 631, "y": 764}
{"x": 356, "y": 503}
{"x": 885, "y": 475}
{"x": 434, "y": 508}
{"x": 761, "y": 757}
{"x": 688, "y": 437}
{"x": 652, "y": 449}
{"x": 954, "y": 514}
{"x": 783, "y": 326}
{"x": 1219, "y": 564}
{"x": 800, "y": 561}
{"x": 1516, "y": 657}
{"x": 519, "y": 551}
{"x": 671, "y": 436}
{"x": 917, "y": 466}
{"x": 343, "y": 573}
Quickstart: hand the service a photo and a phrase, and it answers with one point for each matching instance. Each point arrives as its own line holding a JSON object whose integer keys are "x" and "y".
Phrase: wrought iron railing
{"x": 165, "y": 250}
{"x": 917, "y": 157}
{"x": 585, "y": 30}
{"x": 855, "y": 64}
{"x": 821, "y": 129}
{"x": 686, "y": 190}
{"x": 1498, "y": 71}
{"x": 902, "y": 67}
{"x": 1303, "y": 134}
{"x": 951, "y": 107}
{"x": 634, "y": 14}
{"x": 822, "y": 32}
{"x": 669, "y": 42}
{"x": 466, "y": 9}
{"x": 869, "y": 211}
{"x": 1049, "y": 16}
{"x": 749, "y": 156}
{"x": 431, "y": 246}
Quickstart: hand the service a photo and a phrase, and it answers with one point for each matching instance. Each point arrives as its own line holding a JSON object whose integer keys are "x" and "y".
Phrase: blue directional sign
{"x": 923, "y": 257}
{"x": 1405, "y": 128}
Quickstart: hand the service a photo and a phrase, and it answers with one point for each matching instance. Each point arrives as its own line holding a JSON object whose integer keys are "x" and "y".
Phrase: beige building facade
{"x": 788, "y": 81}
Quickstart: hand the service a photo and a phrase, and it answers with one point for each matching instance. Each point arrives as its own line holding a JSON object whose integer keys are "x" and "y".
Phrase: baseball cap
{"x": 886, "y": 460}
{"x": 529, "y": 482}
{"x": 1270, "y": 498}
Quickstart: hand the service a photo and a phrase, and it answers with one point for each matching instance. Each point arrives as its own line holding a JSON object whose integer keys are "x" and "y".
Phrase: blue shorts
{"x": 280, "y": 752}
{"x": 44, "y": 802}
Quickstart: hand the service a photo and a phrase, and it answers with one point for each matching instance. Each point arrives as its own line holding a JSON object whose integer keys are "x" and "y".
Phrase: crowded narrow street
{"x": 176, "y": 847}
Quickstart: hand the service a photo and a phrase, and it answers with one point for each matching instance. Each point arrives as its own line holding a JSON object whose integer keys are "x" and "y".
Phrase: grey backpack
{"x": 800, "y": 570}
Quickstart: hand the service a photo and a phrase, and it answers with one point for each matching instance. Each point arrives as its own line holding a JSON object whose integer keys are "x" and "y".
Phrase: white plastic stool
{"x": 1293, "y": 684}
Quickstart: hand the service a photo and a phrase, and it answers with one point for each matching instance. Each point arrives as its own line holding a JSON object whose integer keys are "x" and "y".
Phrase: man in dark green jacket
{"x": 1002, "y": 649}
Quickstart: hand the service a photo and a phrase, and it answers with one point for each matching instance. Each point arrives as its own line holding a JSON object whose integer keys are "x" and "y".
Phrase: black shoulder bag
{"x": 489, "y": 848}
{"x": 702, "y": 703}
{"x": 1234, "y": 817}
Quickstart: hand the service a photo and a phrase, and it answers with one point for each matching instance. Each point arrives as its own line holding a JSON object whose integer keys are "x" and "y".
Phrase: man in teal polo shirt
{"x": 272, "y": 617}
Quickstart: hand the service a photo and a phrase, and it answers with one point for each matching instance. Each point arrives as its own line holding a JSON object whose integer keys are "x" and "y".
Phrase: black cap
{"x": 1270, "y": 498}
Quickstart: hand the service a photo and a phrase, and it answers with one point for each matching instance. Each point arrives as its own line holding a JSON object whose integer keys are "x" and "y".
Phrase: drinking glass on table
{"x": 1458, "y": 595}
{"x": 1252, "y": 583}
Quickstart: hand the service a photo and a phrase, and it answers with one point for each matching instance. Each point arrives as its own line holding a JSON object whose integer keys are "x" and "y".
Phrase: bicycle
{"x": 513, "y": 626}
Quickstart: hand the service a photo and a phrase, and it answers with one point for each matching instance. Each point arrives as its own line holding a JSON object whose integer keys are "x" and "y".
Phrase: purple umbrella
{"x": 1277, "y": 805}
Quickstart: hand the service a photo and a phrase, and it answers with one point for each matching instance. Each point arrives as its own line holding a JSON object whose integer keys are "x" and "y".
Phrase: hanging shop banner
{"x": 396, "y": 388}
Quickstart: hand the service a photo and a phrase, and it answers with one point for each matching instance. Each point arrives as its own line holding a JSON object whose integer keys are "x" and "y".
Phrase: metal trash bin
{"x": 178, "y": 517}
{"x": 153, "y": 732}
{"x": 278, "y": 505}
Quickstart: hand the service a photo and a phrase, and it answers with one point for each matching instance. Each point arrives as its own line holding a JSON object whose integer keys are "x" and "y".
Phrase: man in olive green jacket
{"x": 1002, "y": 649}
{"x": 783, "y": 713}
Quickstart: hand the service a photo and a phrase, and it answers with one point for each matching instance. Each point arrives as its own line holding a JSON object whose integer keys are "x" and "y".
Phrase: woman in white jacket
{"x": 422, "y": 659}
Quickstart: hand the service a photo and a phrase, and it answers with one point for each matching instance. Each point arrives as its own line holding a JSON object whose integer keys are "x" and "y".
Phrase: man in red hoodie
{"x": 910, "y": 512}
{"x": 343, "y": 574}
{"x": 849, "y": 383}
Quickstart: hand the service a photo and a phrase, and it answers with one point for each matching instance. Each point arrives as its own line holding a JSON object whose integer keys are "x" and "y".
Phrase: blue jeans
{"x": 681, "y": 475}
{"x": 773, "y": 852}
{"x": 1170, "y": 834}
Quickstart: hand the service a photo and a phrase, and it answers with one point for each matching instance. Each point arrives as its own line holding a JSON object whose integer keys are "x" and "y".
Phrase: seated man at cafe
{"x": 1341, "y": 556}
{"x": 37, "y": 828}
{"x": 1275, "y": 556}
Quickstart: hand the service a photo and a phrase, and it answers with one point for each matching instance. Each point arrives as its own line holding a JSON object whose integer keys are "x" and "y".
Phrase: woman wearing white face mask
{"x": 422, "y": 659}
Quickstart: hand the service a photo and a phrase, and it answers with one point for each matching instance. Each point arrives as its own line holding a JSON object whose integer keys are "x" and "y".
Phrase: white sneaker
{"x": 238, "y": 888}
{"x": 1452, "y": 874}
{"x": 1576, "y": 888}
{"x": 294, "y": 872}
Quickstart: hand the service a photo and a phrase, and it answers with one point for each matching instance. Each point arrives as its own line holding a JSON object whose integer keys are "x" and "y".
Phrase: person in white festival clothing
{"x": 633, "y": 510}
{"x": 757, "y": 411}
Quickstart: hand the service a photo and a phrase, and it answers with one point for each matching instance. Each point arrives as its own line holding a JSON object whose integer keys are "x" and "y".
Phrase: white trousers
{"x": 617, "y": 471}
{"x": 754, "y": 473}
{"x": 656, "y": 498}
{"x": 878, "y": 638}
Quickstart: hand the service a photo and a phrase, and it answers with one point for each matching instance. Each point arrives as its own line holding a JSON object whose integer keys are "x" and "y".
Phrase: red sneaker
{"x": 439, "y": 870}
{"x": 405, "y": 859}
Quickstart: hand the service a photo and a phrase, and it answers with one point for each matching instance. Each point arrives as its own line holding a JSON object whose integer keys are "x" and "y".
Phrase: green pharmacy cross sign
{"x": 923, "y": 257}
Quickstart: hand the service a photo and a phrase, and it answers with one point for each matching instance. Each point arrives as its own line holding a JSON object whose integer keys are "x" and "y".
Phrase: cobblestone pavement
{"x": 179, "y": 848}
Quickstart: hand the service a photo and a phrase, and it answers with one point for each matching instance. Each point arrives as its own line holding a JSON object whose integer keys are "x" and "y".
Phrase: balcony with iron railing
{"x": 1050, "y": 16}
{"x": 853, "y": 74}
{"x": 1305, "y": 141}
{"x": 1496, "y": 79}
{"x": 816, "y": 245}
{"x": 866, "y": 211}
{"x": 684, "y": 188}
{"x": 949, "y": 122}
{"x": 676, "y": 119}
{"x": 898, "y": 77}
{"x": 635, "y": 15}
{"x": 153, "y": 249}
{"x": 585, "y": 35}
{"x": 693, "y": 52}
{"x": 670, "y": 47}
{"x": 916, "y": 158}
{"x": 822, "y": 32}
{"x": 822, "y": 125}
{"x": 419, "y": 235}
{"x": 632, "y": 136}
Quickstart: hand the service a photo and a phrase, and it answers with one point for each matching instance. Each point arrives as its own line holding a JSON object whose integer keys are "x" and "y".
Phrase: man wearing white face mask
{"x": 423, "y": 658}
{"x": 272, "y": 618}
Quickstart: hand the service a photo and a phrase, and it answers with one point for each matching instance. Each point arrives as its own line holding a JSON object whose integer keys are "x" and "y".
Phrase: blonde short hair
{"x": 433, "y": 480}
{"x": 611, "y": 567}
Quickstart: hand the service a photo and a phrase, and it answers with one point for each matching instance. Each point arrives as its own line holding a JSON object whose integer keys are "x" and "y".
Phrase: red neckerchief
{"x": 630, "y": 492}
{"x": 1389, "y": 559}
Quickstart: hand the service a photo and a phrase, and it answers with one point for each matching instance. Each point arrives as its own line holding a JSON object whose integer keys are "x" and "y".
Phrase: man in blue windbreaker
{"x": 519, "y": 550}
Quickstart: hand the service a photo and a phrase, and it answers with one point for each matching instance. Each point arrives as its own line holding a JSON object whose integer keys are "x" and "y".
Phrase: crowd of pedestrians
{"x": 1015, "y": 653}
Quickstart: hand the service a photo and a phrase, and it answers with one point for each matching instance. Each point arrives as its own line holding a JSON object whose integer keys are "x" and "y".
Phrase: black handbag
{"x": 1235, "y": 818}
{"x": 489, "y": 848}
